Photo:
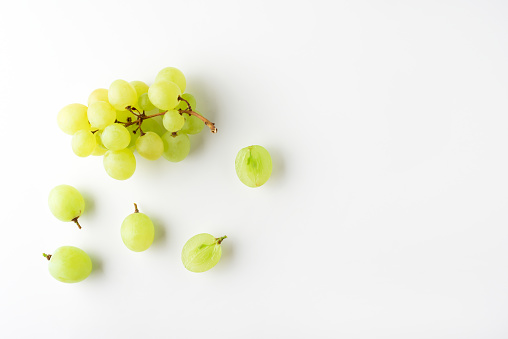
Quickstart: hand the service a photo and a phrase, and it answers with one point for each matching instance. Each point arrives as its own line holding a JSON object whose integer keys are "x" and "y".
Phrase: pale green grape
{"x": 83, "y": 143}
{"x": 171, "y": 74}
{"x": 123, "y": 116}
{"x": 150, "y": 146}
{"x": 253, "y": 165}
{"x": 140, "y": 87}
{"x": 100, "y": 94}
{"x": 116, "y": 137}
{"x": 153, "y": 125}
{"x": 134, "y": 137}
{"x": 66, "y": 203}
{"x": 69, "y": 264}
{"x": 202, "y": 252}
{"x": 183, "y": 105}
{"x": 193, "y": 125}
{"x": 120, "y": 165}
{"x": 72, "y": 118}
{"x": 173, "y": 121}
{"x": 101, "y": 114}
{"x": 122, "y": 94}
{"x": 176, "y": 147}
{"x": 99, "y": 147}
{"x": 144, "y": 103}
{"x": 164, "y": 95}
{"x": 137, "y": 231}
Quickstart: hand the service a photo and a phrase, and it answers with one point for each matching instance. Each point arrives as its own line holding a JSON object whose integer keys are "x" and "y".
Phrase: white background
{"x": 385, "y": 216}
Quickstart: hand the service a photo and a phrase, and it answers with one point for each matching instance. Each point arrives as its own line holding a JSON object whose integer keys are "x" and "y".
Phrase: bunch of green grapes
{"x": 131, "y": 117}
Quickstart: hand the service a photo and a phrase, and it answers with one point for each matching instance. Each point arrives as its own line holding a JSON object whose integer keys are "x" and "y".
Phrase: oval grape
{"x": 202, "y": 252}
{"x": 69, "y": 264}
{"x": 253, "y": 165}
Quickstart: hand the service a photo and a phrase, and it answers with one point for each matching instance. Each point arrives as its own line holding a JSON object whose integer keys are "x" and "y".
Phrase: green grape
{"x": 123, "y": 116}
{"x": 153, "y": 125}
{"x": 193, "y": 125}
{"x": 253, "y": 165}
{"x": 183, "y": 105}
{"x": 122, "y": 94}
{"x": 171, "y": 74}
{"x": 150, "y": 146}
{"x": 140, "y": 87}
{"x": 120, "y": 165}
{"x": 176, "y": 146}
{"x": 100, "y": 94}
{"x": 99, "y": 147}
{"x": 101, "y": 114}
{"x": 116, "y": 137}
{"x": 137, "y": 231}
{"x": 164, "y": 95}
{"x": 144, "y": 103}
{"x": 134, "y": 137}
{"x": 202, "y": 252}
{"x": 173, "y": 121}
{"x": 69, "y": 264}
{"x": 83, "y": 143}
{"x": 66, "y": 203}
{"x": 72, "y": 118}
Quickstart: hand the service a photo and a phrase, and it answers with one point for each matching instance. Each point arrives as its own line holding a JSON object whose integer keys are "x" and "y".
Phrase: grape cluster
{"x": 70, "y": 264}
{"x": 153, "y": 120}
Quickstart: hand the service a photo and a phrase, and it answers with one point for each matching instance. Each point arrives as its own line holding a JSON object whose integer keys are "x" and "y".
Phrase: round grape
{"x": 253, "y": 165}
{"x": 164, "y": 95}
{"x": 150, "y": 146}
{"x": 101, "y": 114}
{"x": 120, "y": 165}
{"x": 176, "y": 146}
{"x": 140, "y": 87}
{"x": 83, "y": 143}
{"x": 122, "y": 94}
{"x": 73, "y": 118}
{"x": 173, "y": 121}
{"x": 193, "y": 125}
{"x": 116, "y": 137}
{"x": 69, "y": 264}
{"x": 144, "y": 103}
{"x": 202, "y": 252}
{"x": 137, "y": 231}
{"x": 171, "y": 74}
{"x": 100, "y": 94}
{"x": 66, "y": 203}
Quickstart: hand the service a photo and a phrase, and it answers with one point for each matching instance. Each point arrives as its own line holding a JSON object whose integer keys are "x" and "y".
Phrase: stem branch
{"x": 76, "y": 221}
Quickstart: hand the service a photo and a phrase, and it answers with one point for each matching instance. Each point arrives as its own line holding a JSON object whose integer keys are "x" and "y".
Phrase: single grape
{"x": 140, "y": 87}
{"x": 202, "y": 252}
{"x": 100, "y": 94}
{"x": 183, "y": 105}
{"x": 69, "y": 264}
{"x": 120, "y": 165}
{"x": 176, "y": 146}
{"x": 153, "y": 125}
{"x": 83, "y": 143}
{"x": 101, "y": 114}
{"x": 171, "y": 74}
{"x": 116, "y": 137}
{"x": 122, "y": 94}
{"x": 99, "y": 147}
{"x": 253, "y": 165}
{"x": 144, "y": 103}
{"x": 173, "y": 121}
{"x": 72, "y": 118}
{"x": 164, "y": 95}
{"x": 150, "y": 146}
{"x": 193, "y": 125}
{"x": 66, "y": 203}
{"x": 137, "y": 231}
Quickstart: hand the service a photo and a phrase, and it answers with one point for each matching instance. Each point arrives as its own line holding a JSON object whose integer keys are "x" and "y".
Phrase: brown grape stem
{"x": 219, "y": 240}
{"x": 47, "y": 256}
{"x": 188, "y": 104}
{"x": 207, "y": 122}
{"x": 76, "y": 221}
{"x": 136, "y": 208}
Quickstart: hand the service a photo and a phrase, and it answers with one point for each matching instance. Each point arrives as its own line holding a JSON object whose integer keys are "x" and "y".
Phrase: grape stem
{"x": 188, "y": 104}
{"x": 76, "y": 221}
{"x": 142, "y": 116}
{"x": 219, "y": 240}
{"x": 136, "y": 208}
{"x": 47, "y": 256}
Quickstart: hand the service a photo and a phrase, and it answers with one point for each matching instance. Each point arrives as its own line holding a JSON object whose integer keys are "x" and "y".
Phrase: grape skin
{"x": 150, "y": 146}
{"x": 193, "y": 125}
{"x": 122, "y": 94}
{"x": 164, "y": 95}
{"x": 176, "y": 148}
{"x": 83, "y": 143}
{"x": 73, "y": 118}
{"x": 101, "y": 114}
{"x": 201, "y": 252}
{"x": 120, "y": 165}
{"x": 173, "y": 121}
{"x": 140, "y": 87}
{"x": 253, "y": 165}
{"x": 172, "y": 74}
{"x": 137, "y": 232}
{"x": 100, "y": 94}
{"x": 69, "y": 264}
{"x": 66, "y": 203}
{"x": 115, "y": 137}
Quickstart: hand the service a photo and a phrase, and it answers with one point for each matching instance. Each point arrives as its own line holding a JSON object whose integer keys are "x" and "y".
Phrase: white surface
{"x": 386, "y": 213}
